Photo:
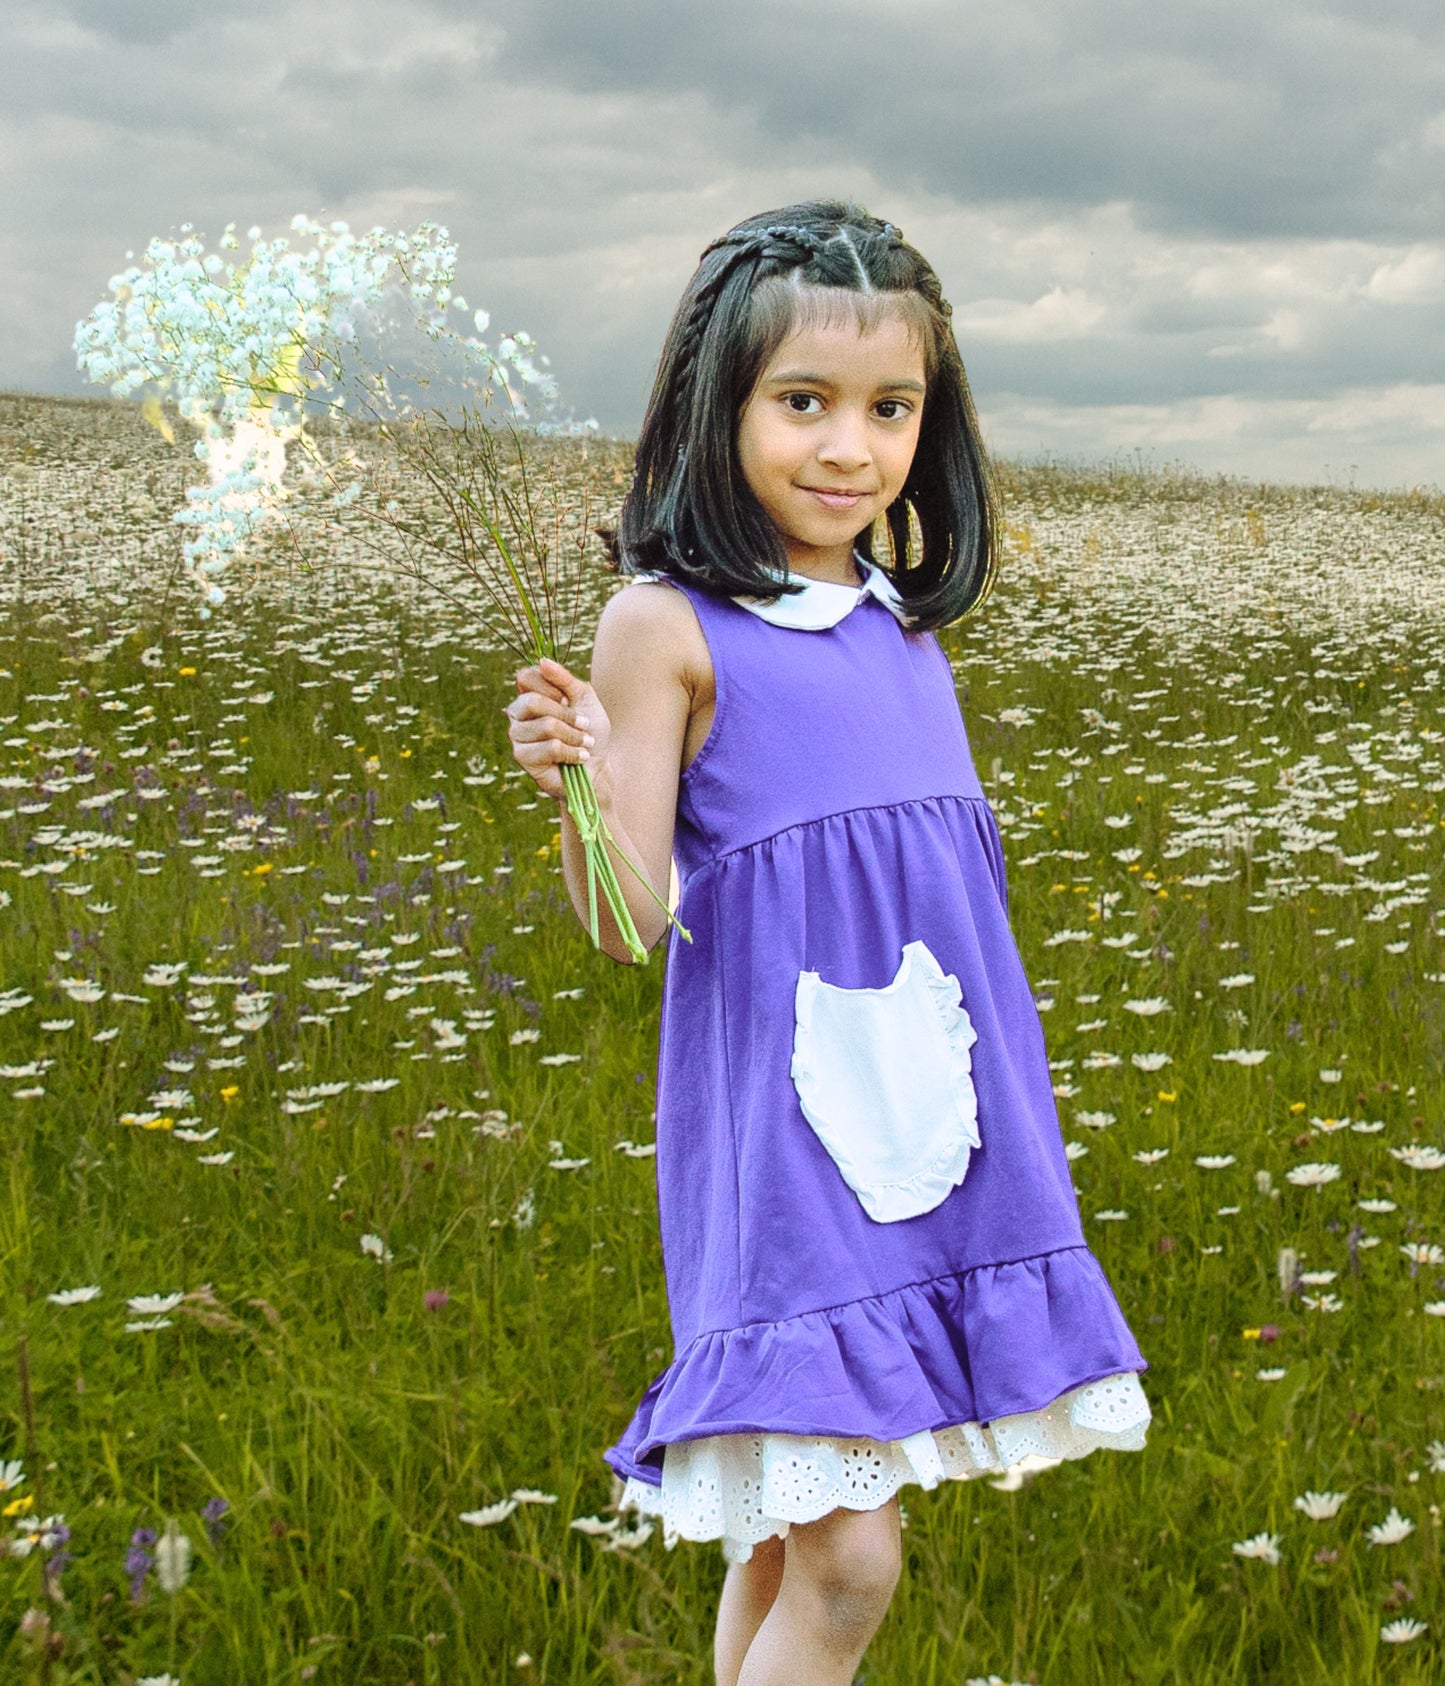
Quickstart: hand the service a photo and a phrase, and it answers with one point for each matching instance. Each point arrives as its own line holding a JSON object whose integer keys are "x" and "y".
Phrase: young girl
{"x": 875, "y": 1266}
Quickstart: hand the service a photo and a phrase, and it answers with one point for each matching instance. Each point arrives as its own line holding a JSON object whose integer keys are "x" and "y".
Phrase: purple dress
{"x": 871, "y": 1239}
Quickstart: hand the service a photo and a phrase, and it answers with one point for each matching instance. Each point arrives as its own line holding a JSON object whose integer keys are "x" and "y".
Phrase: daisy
{"x": 73, "y": 1296}
{"x": 1320, "y": 1507}
{"x": 1399, "y": 1632}
{"x": 153, "y": 1305}
{"x": 1312, "y": 1175}
{"x": 488, "y": 1514}
{"x": 1418, "y": 1156}
{"x": 1392, "y": 1530}
{"x": 1263, "y": 1546}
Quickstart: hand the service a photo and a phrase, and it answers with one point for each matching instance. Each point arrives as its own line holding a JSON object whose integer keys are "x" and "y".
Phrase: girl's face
{"x": 827, "y": 438}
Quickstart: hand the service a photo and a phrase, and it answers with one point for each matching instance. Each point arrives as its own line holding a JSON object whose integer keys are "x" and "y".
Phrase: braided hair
{"x": 690, "y": 512}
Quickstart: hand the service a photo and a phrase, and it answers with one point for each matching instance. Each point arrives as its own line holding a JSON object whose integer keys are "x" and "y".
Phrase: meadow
{"x": 359, "y": 1327}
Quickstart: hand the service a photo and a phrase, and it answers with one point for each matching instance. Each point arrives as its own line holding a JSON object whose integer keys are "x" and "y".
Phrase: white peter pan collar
{"x": 821, "y": 603}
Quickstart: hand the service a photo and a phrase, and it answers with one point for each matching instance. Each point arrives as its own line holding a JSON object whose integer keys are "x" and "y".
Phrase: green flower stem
{"x": 586, "y": 813}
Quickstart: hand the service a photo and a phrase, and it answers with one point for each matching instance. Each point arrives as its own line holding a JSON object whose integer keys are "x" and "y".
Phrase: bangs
{"x": 781, "y": 306}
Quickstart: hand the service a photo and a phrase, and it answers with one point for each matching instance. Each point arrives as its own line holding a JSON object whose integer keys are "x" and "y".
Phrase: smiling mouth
{"x": 835, "y": 499}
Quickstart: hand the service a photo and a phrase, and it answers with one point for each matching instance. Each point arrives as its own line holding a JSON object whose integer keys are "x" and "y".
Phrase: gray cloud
{"x": 1174, "y": 227}
{"x": 1222, "y": 116}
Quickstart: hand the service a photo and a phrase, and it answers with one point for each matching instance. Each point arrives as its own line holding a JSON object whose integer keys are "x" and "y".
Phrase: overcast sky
{"x": 1212, "y": 231}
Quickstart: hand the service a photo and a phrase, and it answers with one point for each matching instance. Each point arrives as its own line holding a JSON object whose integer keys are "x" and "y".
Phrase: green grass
{"x": 1160, "y": 633}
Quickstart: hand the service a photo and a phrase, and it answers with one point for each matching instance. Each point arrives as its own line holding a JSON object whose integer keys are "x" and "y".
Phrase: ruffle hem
{"x": 743, "y": 1488}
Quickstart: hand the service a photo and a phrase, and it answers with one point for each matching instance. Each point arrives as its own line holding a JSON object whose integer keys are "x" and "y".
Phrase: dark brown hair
{"x": 690, "y": 512}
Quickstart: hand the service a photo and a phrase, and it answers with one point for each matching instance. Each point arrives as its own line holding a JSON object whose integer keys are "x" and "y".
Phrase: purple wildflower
{"x": 55, "y": 1564}
{"x": 215, "y": 1509}
{"x": 139, "y": 1562}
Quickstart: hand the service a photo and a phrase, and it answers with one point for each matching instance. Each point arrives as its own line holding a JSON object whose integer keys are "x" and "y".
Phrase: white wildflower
{"x": 1312, "y": 1175}
{"x": 154, "y": 1305}
{"x": 1094, "y": 1120}
{"x": 1423, "y": 1252}
{"x": 1392, "y": 1530}
{"x": 1402, "y": 1630}
{"x": 173, "y": 1558}
{"x": 1320, "y": 1507}
{"x": 73, "y": 1296}
{"x": 488, "y": 1514}
{"x": 1418, "y": 1156}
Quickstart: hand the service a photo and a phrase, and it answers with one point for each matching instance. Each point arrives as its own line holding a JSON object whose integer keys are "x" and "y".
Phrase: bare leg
{"x": 748, "y": 1593}
{"x": 839, "y": 1574}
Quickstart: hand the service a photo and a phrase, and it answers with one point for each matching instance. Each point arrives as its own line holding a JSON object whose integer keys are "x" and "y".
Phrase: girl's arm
{"x": 636, "y": 707}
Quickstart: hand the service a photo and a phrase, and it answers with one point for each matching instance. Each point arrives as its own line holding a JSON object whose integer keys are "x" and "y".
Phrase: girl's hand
{"x": 555, "y": 718}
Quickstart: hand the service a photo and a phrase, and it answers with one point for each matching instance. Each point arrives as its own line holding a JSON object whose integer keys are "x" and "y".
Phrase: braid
{"x": 750, "y": 245}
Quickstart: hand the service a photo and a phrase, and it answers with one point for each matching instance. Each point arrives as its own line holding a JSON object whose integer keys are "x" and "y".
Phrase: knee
{"x": 852, "y": 1562}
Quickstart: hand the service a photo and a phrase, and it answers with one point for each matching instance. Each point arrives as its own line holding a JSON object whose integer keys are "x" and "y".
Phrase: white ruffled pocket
{"x": 884, "y": 1077}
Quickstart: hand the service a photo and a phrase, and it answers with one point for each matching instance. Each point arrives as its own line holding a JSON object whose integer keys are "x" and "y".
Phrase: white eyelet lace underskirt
{"x": 743, "y": 1488}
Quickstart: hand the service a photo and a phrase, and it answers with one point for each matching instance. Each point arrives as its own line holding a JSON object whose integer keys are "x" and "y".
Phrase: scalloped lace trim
{"x": 742, "y": 1488}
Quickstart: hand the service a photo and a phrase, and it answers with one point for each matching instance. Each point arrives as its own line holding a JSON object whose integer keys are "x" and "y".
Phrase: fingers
{"x": 535, "y": 717}
{"x": 532, "y": 679}
{"x": 545, "y": 729}
{"x": 566, "y": 682}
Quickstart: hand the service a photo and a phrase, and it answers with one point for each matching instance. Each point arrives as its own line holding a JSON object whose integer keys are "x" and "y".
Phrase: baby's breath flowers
{"x": 233, "y": 344}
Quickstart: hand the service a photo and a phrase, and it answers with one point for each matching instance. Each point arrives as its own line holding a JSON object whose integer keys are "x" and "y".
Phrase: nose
{"x": 845, "y": 446}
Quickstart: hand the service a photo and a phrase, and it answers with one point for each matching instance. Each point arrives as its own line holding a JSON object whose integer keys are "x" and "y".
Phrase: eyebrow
{"x": 805, "y": 377}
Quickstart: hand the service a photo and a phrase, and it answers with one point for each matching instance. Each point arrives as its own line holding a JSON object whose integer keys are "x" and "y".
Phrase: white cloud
{"x": 1062, "y": 313}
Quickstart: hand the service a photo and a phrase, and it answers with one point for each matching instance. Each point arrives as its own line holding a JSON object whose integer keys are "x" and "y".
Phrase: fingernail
{"x": 588, "y": 739}
{"x": 582, "y": 720}
{"x": 586, "y": 754}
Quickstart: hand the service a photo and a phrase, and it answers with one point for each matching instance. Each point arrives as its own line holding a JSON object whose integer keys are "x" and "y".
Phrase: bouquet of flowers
{"x": 250, "y": 351}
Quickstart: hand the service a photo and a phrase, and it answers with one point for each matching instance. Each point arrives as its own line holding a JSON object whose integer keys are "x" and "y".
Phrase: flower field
{"x": 328, "y": 1239}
